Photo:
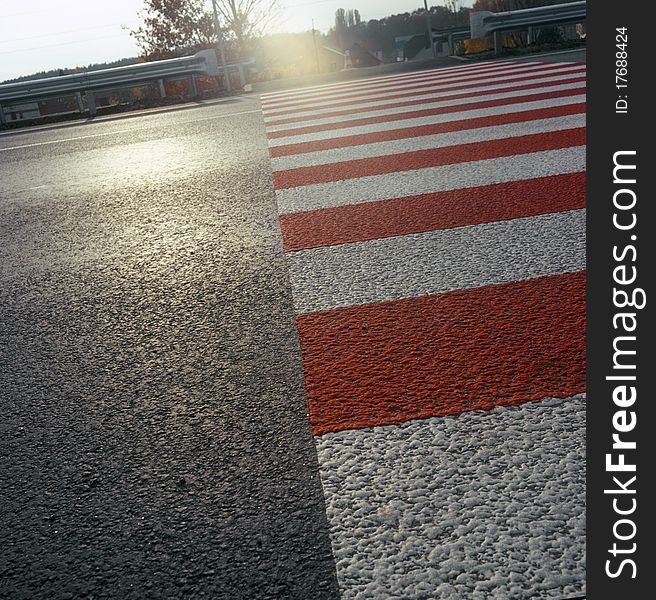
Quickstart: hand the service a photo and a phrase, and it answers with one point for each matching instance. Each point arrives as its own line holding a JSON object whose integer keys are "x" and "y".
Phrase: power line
{"x": 57, "y": 33}
{"x": 39, "y": 11}
{"x": 105, "y": 37}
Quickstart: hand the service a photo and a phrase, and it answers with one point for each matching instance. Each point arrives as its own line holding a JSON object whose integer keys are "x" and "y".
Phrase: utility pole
{"x": 219, "y": 39}
{"x": 316, "y": 49}
{"x": 429, "y": 29}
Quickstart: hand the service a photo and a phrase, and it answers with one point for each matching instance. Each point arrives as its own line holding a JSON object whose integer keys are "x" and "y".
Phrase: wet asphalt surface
{"x": 154, "y": 441}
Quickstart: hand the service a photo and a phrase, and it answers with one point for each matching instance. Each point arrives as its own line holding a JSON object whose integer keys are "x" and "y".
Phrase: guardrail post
{"x": 193, "y": 92}
{"x": 530, "y": 35}
{"x": 80, "y": 104}
{"x": 2, "y": 115}
{"x": 242, "y": 75}
{"x": 91, "y": 103}
{"x": 498, "y": 43}
{"x": 162, "y": 88}
{"x": 450, "y": 42}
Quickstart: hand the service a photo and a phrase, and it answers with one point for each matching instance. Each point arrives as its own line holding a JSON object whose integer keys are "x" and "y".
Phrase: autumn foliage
{"x": 172, "y": 25}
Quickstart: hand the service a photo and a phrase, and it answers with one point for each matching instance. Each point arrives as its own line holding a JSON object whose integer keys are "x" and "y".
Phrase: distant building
{"x": 330, "y": 59}
{"x": 333, "y": 60}
{"x": 362, "y": 57}
{"x": 408, "y": 46}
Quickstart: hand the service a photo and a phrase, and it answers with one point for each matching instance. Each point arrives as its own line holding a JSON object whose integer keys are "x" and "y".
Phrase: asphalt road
{"x": 154, "y": 440}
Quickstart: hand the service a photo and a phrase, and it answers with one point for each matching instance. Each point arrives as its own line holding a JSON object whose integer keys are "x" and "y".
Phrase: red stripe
{"x": 438, "y": 83}
{"x": 387, "y": 363}
{"x": 428, "y": 112}
{"x": 435, "y": 85}
{"x": 432, "y": 91}
{"x": 372, "y": 82}
{"x": 421, "y": 159}
{"x": 406, "y": 103}
{"x": 410, "y": 132}
{"x": 429, "y": 212}
{"x": 367, "y": 85}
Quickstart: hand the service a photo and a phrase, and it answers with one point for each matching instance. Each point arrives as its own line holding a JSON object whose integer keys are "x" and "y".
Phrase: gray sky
{"x": 37, "y": 35}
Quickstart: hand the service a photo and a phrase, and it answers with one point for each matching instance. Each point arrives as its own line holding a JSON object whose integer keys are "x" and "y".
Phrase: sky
{"x": 39, "y": 35}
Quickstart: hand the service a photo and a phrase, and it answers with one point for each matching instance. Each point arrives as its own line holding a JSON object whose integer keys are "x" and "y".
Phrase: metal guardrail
{"x": 484, "y": 23}
{"x": 450, "y": 36}
{"x": 455, "y": 31}
{"x": 202, "y": 63}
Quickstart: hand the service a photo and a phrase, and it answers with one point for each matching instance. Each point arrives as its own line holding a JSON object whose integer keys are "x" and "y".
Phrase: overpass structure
{"x": 202, "y": 63}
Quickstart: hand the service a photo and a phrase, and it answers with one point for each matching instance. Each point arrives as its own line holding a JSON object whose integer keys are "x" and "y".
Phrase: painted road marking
{"x": 431, "y": 262}
{"x": 414, "y": 143}
{"x": 105, "y": 133}
{"x": 403, "y": 108}
{"x": 291, "y": 168}
{"x": 429, "y": 92}
{"x": 62, "y": 140}
{"x": 433, "y": 179}
{"x": 435, "y": 128}
{"x": 434, "y": 226}
{"x": 447, "y": 87}
{"x": 397, "y": 78}
{"x": 433, "y": 157}
{"x": 436, "y": 83}
{"x": 429, "y": 95}
{"x": 444, "y": 354}
{"x": 486, "y": 505}
{"x": 429, "y": 116}
{"x": 431, "y": 212}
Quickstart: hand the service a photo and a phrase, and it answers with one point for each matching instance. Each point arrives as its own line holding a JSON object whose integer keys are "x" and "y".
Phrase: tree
{"x": 169, "y": 25}
{"x": 352, "y": 17}
{"x": 248, "y": 19}
{"x": 340, "y": 19}
{"x": 347, "y": 25}
{"x": 347, "y": 19}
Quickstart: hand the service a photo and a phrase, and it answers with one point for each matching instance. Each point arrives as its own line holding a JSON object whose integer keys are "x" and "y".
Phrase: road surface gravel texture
{"x": 352, "y": 366}
{"x": 434, "y": 226}
{"x": 154, "y": 435}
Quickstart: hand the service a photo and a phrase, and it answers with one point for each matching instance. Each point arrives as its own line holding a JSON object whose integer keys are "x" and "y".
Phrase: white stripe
{"x": 63, "y": 140}
{"x": 402, "y": 123}
{"x": 556, "y": 84}
{"x": 327, "y": 86}
{"x": 437, "y": 103}
{"x": 402, "y": 96}
{"x": 105, "y": 133}
{"x": 367, "y": 84}
{"x": 422, "y": 264}
{"x": 483, "y": 505}
{"x": 434, "y": 78}
{"x": 394, "y": 92}
{"x": 427, "y": 142}
{"x": 432, "y": 179}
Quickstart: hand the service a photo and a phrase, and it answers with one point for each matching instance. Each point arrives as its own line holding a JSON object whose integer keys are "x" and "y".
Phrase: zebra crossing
{"x": 434, "y": 229}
